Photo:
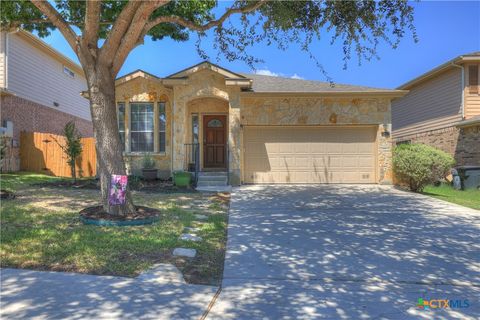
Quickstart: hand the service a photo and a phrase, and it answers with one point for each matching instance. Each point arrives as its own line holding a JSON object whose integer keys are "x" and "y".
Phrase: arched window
{"x": 214, "y": 123}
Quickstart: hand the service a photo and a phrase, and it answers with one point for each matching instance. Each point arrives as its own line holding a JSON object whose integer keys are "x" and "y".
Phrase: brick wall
{"x": 463, "y": 144}
{"x": 33, "y": 117}
{"x": 30, "y": 116}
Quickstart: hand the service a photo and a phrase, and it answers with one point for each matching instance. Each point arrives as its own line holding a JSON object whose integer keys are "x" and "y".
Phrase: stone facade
{"x": 33, "y": 117}
{"x": 462, "y": 143}
{"x": 206, "y": 92}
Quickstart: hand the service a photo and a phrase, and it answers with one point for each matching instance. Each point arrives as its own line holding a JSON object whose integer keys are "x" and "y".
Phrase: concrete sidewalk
{"x": 58, "y": 295}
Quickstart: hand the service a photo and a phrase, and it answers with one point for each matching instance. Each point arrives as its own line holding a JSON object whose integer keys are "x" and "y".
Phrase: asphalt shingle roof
{"x": 262, "y": 83}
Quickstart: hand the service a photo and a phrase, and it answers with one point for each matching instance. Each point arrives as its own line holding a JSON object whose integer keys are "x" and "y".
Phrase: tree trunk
{"x": 101, "y": 87}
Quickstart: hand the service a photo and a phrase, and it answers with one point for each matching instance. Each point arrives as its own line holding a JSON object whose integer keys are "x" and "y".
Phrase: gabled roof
{"x": 271, "y": 84}
{"x": 473, "y": 56}
{"x": 205, "y": 65}
{"x": 136, "y": 74}
{"x": 261, "y": 84}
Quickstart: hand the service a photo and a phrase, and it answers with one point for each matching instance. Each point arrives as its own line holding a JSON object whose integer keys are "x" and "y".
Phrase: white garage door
{"x": 310, "y": 154}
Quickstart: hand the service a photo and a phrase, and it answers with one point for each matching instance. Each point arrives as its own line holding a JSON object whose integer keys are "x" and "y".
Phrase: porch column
{"x": 234, "y": 140}
{"x": 179, "y": 129}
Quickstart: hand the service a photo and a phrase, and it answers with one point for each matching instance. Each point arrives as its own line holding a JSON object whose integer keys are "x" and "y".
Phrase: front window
{"x": 195, "y": 128}
{"x": 121, "y": 123}
{"x": 142, "y": 127}
{"x": 162, "y": 127}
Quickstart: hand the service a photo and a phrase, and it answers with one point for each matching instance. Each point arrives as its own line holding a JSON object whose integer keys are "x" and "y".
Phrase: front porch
{"x": 206, "y": 147}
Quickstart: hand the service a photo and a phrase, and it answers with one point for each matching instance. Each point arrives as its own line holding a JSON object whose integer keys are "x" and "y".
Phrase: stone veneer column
{"x": 178, "y": 148}
{"x": 234, "y": 136}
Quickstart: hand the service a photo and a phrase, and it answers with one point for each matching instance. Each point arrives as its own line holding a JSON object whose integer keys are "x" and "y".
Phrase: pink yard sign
{"x": 118, "y": 190}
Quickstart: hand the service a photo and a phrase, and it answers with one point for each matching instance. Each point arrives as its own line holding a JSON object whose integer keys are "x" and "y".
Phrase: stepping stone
{"x": 201, "y": 217}
{"x": 162, "y": 273}
{"x": 190, "y": 237}
{"x": 191, "y": 229}
{"x": 185, "y": 252}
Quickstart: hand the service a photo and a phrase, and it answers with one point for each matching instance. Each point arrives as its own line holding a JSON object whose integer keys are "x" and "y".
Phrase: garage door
{"x": 309, "y": 154}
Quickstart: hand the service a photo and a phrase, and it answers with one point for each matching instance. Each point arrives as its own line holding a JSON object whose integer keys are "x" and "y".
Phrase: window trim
{"x": 127, "y": 150}
{"x": 68, "y": 72}
{"x": 473, "y": 89}
{"x": 142, "y": 131}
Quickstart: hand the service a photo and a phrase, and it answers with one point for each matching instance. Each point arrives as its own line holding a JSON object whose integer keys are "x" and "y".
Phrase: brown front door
{"x": 214, "y": 141}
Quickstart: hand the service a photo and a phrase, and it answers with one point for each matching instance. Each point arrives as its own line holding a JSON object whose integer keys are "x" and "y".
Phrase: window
{"x": 142, "y": 128}
{"x": 68, "y": 72}
{"x": 195, "y": 128}
{"x": 121, "y": 122}
{"x": 473, "y": 79}
{"x": 162, "y": 126}
{"x": 214, "y": 123}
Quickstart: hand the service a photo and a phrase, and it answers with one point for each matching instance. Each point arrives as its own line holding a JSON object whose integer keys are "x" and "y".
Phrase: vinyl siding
{"x": 3, "y": 47}
{"x": 439, "y": 97}
{"x": 472, "y": 101}
{"x": 37, "y": 76}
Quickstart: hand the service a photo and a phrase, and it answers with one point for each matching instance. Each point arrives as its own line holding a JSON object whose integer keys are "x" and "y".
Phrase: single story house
{"x": 442, "y": 109}
{"x": 259, "y": 129}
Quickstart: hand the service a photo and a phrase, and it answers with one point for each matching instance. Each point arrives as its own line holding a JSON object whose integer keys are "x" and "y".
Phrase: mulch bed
{"x": 6, "y": 195}
{"x": 97, "y": 213}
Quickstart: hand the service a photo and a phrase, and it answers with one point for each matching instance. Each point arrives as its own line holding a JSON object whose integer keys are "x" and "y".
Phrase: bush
{"x": 418, "y": 165}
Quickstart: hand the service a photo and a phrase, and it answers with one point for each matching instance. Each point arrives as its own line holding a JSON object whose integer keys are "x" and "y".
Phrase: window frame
{"x": 159, "y": 110}
{"x": 152, "y": 131}
{"x": 473, "y": 89}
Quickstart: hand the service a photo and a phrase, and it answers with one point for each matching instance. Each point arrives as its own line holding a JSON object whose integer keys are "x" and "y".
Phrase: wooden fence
{"x": 41, "y": 152}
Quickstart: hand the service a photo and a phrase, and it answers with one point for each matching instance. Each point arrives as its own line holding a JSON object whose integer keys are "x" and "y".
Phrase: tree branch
{"x": 196, "y": 27}
{"x": 119, "y": 28}
{"x": 92, "y": 23}
{"x": 131, "y": 36}
{"x": 57, "y": 20}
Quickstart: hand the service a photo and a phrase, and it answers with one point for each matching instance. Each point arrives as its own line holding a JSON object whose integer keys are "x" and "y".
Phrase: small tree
{"x": 72, "y": 147}
{"x": 417, "y": 165}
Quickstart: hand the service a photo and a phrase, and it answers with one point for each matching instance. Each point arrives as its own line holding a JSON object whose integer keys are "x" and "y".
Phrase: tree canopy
{"x": 359, "y": 25}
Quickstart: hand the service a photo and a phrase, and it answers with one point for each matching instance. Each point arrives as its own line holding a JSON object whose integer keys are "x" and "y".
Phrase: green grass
{"x": 40, "y": 229}
{"x": 468, "y": 198}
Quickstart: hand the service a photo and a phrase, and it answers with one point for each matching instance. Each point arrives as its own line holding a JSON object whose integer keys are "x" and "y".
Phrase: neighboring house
{"x": 442, "y": 109}
{"x": 40, "y": 88}
{"x": 259, "y": 129}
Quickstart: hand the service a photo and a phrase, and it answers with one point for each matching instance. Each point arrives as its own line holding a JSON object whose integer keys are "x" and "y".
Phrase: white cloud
{"x": 266, "y": 72}
{"x": 296, "y": 76}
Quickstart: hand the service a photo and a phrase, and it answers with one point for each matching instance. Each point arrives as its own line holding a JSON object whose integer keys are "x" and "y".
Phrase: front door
{"x": 214, "y": 141}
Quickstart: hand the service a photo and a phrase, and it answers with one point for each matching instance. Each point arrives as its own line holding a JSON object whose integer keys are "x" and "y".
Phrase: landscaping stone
{"x": 162, "y": 273}
{"x": 190, "y": 237}
{"x": 184, "y": 252}
{"x": 201, "y": 217}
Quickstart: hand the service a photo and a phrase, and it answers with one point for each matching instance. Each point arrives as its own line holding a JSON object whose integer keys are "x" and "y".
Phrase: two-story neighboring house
{"x": 442, "y": 109}
{"x": 40, "y": 88}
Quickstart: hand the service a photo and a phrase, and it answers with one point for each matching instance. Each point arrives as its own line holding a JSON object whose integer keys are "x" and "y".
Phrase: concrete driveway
{"x": 348, "y": 252}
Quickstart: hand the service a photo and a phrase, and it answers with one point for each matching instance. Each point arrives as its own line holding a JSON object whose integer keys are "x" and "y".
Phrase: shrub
{"x": 148, "y": 162}
{"x": 418, "y": 165}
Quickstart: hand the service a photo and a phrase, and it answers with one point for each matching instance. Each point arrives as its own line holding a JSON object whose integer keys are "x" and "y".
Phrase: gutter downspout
{"x": 462, "y": 107}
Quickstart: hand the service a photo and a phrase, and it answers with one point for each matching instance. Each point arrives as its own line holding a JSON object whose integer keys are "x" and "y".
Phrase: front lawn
{"x": 40, "y": 229}
{"x": 468, "y": 198}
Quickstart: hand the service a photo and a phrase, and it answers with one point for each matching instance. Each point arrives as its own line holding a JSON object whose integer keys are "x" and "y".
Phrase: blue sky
{"x": 445, "y": 29}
